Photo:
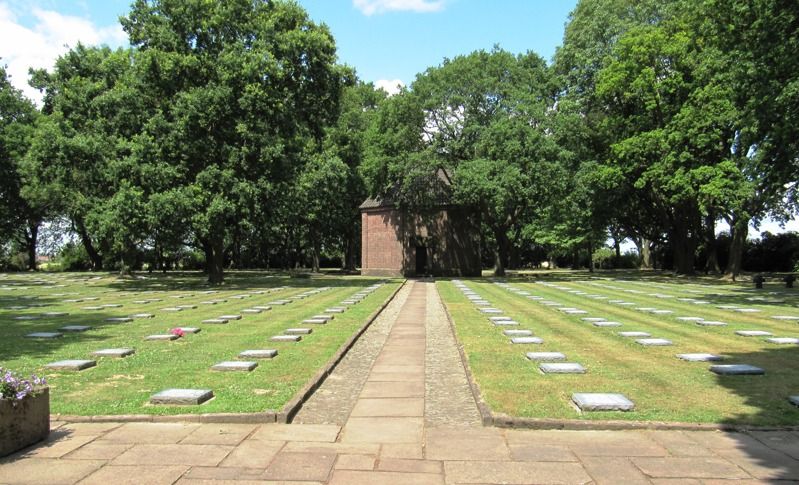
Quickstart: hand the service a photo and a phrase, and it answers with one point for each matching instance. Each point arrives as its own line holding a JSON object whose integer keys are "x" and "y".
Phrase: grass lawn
{"x": 662, "y": 387}
{"x": 123, "y": 386}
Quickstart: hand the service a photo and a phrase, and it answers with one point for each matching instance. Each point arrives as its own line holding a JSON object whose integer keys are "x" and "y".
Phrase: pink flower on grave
{"x": 177, "y": 331}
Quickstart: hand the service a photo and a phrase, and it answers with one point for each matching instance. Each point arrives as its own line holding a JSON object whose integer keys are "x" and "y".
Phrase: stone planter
{"x": 24, "y": 424}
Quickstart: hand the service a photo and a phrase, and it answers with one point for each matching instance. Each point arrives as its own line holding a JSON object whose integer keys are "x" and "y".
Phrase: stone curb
{"x": 293, "y": 406}
{"x": 500, "y": 420}
{"x": 268, "y": 416}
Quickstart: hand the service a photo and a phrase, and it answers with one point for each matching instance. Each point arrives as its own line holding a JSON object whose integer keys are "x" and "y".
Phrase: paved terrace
{"x": 397, "y": 410}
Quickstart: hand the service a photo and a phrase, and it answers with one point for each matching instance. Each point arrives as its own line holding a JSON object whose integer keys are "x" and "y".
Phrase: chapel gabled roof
{"x": 442, "y": 196}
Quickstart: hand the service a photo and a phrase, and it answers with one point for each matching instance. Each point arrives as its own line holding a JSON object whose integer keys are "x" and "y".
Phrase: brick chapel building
{"x": 443, "y": 242}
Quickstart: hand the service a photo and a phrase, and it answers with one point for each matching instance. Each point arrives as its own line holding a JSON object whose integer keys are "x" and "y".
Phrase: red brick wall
{"x": 382, "y": 249}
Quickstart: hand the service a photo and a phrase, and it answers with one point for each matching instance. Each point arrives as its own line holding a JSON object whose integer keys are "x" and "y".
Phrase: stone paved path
{"x": 408, "y": 422}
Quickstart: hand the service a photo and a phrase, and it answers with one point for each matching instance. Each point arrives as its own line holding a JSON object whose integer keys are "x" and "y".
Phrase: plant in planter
{"x": 24, "y": 411}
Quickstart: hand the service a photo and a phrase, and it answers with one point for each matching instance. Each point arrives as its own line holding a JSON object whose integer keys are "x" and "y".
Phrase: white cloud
{"x": 371, "y": 7}
{"x": 38, "y": 47}
{"x": 391, "y": 86}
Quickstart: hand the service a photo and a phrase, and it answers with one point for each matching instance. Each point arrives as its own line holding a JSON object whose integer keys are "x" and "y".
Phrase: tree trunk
{"x": 684, "y": 247}
{"x": 315, "y": 250}
{"x": 711, "y": 245}
{"x": 501, "y": 254}
{"x": 86, "y": 240}
{"x": 617, "y": 248}
{"x": 645, "y": 251}
{"x": 216, "y": 263}
{"x": 31, "y": 239}
{"x": 590, "y": 255}
{"x": 739, "y": 229}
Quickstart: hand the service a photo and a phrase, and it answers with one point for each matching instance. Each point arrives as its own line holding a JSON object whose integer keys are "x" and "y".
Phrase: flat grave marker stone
{"x": 654, "y": 342}
{"x": 517, "y": 333}
{"x": 118, "y": 353}
{"x": 251, "y": 311}
{"x": 162, "y": 337}
{"x": 230, "y": 317}
{"x": 235, "y": 365}
{"x": 73, "y": 365}
{"x": 55, "y": 314}
{"x": 172, "y": 309}
{"x": 298, "y": 331}
{"x": 690, "y": 319}
{"x": 544, "y": 356}
{"x": 527, "y": 340}
{"x": 736, "y": 370}
{"x": 506, "y": 323}
{"x": 499, "y": 319}
{"x": 593, "y": 319}
{"x": 602, "y": 402}
{"x": 182, "y": 397}
{"x": 634, "y": 334}
{"x": 711, "y": 323}
{"x": 561, "y": 368}
{"x": 75, "y": 328}
{"x": 142, "y": 315}
{"x": 286, "y": 338}
{"x": 44, "y": 335}
{"x": 258, "y": 354}
{"x": 189, "y": 329}
{"x": 700, "y": 357}
{"x": 337, "y": 309}
{"x": 785, "y": 317}
{"x": 607, "y": 324}
{"x": 794, "y": 400}
{"x": 323, "y": 317}
{"x": 263, "y": 308}
{"x": 753, "y": 333}
{"x": 315, "y": 321}
{"x": 783, "y": 340}
{"x": 119, "y": 319}
{"x": 216, "y": 321}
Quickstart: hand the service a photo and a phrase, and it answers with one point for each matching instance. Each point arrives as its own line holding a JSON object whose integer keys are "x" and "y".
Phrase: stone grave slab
{"x": 566, "y": 308}
{"x": 602, "y": 402}
{"x": 626, "y": 303}
{"x": 278, "y": 302}
{"x": 517, "y": 333}
{"x": 526, "y": 340}
{"x": 75, "y": 365}
{"x": 172, "y": 309}
{"x": 634, "y": 334}
{"x": 230, "y": 317}
{"x": 189, "y": 329}
{"x": 711, "y": 323}
{"x": 700, "y": 302}
{"x": 499, "y": 319}
{"x": 298, "y": 331}
{"x": 209, "y": 302}
{"x": 337, "y": 309}
{"x": 506, "y": 323}
{"x": 561, "y": 368}
{"x": 235, "y": 365}
{"x": 286, "y": 338}
{"x": 794, "y": 400}
{"x": 700, "y": 357}
{"x": 785, "y": 317}
{"x": 141, "y": 302}
{"x": 263, "y": 308}
{"x": 690, "y": 319}
{"x": 119, "y": 319}
{"x": 783, "y": 340}
{"x": 187, "y": 307}
{"x": 753, "y": 333}
{"x": 607, "y": 324}
{"x": 645, "y": 309}
{"x": 166, "y": 336}
{"x": 75, "y": 328}
{"x": 747, "y": 310}
{"x": 28, "y": 317}
{"x": 593, "y": 319}
{"x": 491, "y": 310}
{"x": 575, "y": 312}
{"x": 217, "y": 321}
{"x": 728, "y": 307}
{"x": 348, "y": 302}
{"x": 251, "y": 311}
{"x": 736, "y": 370}
{"x": 661, "y": 312}
{"x": 315, "y": 321}
{"x": 258, "y": 354}
{"x": 55, "y": 314}
{"x": 142, "y": 315}
{"x": 119, "y": 353}
{"x": 654, "y": 342}
{"x": 323, "y": 317}
{"x": 182, "y": 397}
{"x": 545, "y": 356}
{"x": 45, "y": 335}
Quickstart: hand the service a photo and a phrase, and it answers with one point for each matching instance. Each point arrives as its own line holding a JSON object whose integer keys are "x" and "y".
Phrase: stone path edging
{"x": 500, "y": 420}
{"x": 269, "y": 416}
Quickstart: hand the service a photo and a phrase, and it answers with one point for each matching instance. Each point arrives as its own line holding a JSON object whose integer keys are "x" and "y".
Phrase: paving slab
{"x": 118, "y": 353}
{"x": 517, "y": 473}
{"x": 235, "y": 366}
{"x": 700, "y": 357}
{"x": 561, "y": 368}
{"x": 258, "y": 354}
{"x": 602, "y": 402}
{"x": 736, "y": 370}
{"x": 182, "y": 397}
{"x": 74, "y": 365}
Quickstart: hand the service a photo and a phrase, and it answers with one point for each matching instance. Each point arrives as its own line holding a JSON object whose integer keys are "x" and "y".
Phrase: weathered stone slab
{"x": 753, "y": 333}
{"x": 575, "y": 312}
{"x": 654, "y": 342}
{"x": 711, "y": 323}
{"x": 690, "y": 319}
{"x": 172, "y": 309}
{"x": 279, "y": 302}
{"x": 747, "y": 310}
{"x": 794, "y": 400}
{"x": 348, "y": 302}
{"x": 45, "y": 335}
{"x": 209, "y": 302}
{"x": 55, "y": 314}
{"x": 142, "y": 315}
{"x": 607, "y": 324}
{"x": 258, "y": 354}
{"x": 783, "y": 340}
{"x": 602, "y": 402}
{"x": 112, "y": 305}
{"x": 263, "y": 308}
{"x": 323, "y": 317}
{"x": 545, "y": 356}
{"x": 187, "y": 307}
{"x": 736, "y": 370}
{"x": 491, "y": 310}
{"x": 785, "y": 317}
{"x": 286, "y": 338}
{"x": 182, "y": 397}
{"x": 251, "y": 311}
{"x": 593, "y": 319}
{"x": 634, "y": 334}
{"x": 189, "y": 329}
{"x": 645, "y": 309}
{"x": 28, "y": 317}
{"x": 298, "y": 331}
{"x": 728, "y": 307}
{"x": 527, "y": 340}
{"x": 119, "y": 353}
{"x": 167, "y": 336}
{"x": 506, "y": 323}
{"x": 700, "y": 302}
{"x": 119, "y": 319}
{"x": 517, "y": 333}
{"x": 230, "y": 317}
{"x": 217, "y": 321}
{"x": 336, "y": 309}
{"x": 75, "y": 365}
{"x": 561, "y": 368}
{"x": 700, "y": 357}
{"x": 75, "y": 328}
{"x": 661, "y": 312}
{"x": 235, "y": 365}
